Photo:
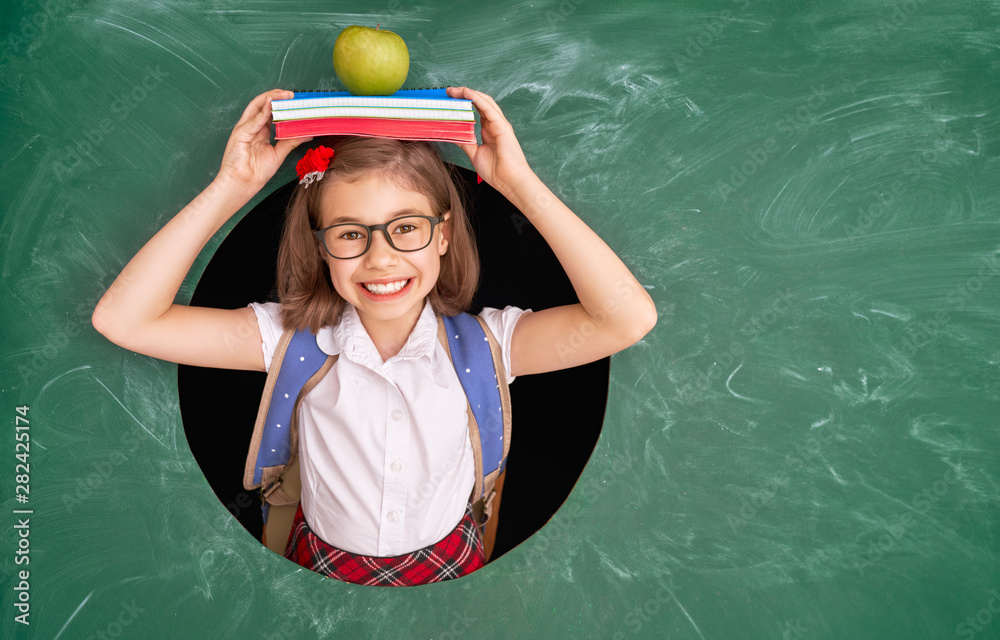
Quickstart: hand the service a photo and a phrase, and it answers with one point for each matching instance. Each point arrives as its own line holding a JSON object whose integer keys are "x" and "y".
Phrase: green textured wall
{"x": 809, "y": 189}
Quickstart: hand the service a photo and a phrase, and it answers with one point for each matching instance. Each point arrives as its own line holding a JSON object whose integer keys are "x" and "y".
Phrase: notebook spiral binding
{"x": 336, "y": 90}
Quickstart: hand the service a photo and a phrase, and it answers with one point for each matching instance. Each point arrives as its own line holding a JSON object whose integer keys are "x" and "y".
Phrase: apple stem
{"x": 377, "y": 25}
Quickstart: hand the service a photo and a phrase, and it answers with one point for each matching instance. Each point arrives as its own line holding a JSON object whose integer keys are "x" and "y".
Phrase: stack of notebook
{"x": 408, "y": 114}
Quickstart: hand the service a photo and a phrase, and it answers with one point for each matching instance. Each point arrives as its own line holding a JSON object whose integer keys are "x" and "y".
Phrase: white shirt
{"x": 385, "y": 456}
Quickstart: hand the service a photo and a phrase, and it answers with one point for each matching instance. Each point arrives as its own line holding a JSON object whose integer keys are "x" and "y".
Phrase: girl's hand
{"x": 250, "y": 160}
{"x": 499, "y": 160}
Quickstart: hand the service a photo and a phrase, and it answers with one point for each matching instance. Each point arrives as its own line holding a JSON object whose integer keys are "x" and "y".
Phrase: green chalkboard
{"x": 804, "y": 447}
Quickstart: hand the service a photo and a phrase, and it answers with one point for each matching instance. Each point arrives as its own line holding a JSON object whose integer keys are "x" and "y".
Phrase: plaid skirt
{"x": 457, "y": 554}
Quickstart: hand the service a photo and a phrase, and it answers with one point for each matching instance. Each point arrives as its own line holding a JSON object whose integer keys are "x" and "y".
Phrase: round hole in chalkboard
{"x": 557, "y": 416}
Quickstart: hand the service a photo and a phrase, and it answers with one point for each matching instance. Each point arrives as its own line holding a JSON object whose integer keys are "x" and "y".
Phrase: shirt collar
{"x": 349, "y": 337}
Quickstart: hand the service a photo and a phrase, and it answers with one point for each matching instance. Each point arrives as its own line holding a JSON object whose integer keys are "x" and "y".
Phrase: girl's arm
{"x": 614, "y": 311}
{"x": 138, "y": 311}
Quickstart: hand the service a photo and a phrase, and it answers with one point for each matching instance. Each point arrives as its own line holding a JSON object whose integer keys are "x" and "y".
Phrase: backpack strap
{"x": 473, "y": 350}
{"x": 274, "y": 444}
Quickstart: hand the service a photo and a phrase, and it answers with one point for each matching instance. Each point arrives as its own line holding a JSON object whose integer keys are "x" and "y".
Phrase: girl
{"x": 388, "y": 421}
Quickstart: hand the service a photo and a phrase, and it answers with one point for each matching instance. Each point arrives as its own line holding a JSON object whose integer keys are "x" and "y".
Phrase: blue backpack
{"x": 298, "y": 365}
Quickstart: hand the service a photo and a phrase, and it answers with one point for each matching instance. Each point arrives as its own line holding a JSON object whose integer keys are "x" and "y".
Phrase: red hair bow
{"x": 313, "y": 165}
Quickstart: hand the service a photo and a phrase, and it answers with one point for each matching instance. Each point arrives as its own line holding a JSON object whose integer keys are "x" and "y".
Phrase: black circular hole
{"x": 557, "y": 416}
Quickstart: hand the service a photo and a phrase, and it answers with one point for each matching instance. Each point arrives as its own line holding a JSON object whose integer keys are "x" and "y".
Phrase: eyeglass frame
{"x": 372, "y": 228}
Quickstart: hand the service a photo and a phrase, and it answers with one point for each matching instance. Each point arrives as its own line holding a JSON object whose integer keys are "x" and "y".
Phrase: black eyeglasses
{"x": 352, "y": 239}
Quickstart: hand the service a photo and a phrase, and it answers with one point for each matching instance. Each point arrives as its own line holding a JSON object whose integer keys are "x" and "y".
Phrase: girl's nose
{"x": 380, "y": 254}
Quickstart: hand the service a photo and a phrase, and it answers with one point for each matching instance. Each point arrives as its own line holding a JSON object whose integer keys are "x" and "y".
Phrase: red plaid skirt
{"x": 457, "y": 554}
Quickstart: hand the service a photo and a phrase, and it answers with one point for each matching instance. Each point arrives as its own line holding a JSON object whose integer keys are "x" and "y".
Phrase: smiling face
{"x": 386, "y": 286}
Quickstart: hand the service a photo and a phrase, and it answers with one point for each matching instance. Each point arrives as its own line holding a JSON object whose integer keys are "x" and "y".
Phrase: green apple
{"x": 370, "y": 62}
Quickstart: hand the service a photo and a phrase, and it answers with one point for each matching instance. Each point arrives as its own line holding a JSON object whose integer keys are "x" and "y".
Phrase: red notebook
{"x": 433, "y": 130}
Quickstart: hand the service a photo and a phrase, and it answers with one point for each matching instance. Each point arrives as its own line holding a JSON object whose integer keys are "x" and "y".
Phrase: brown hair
{"x": 307, "y": 296}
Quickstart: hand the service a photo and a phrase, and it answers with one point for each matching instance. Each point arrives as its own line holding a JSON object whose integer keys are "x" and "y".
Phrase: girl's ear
{"x": 445, "y": 233}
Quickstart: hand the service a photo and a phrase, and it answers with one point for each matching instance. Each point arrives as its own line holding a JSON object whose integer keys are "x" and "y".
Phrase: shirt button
{"x": 391, "y": 516}
{"x": 397, "y": 415}
{"x": 396, "y": 466}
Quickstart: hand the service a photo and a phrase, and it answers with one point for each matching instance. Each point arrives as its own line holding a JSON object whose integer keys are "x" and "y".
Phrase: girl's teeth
{"x": 383, "y": 289}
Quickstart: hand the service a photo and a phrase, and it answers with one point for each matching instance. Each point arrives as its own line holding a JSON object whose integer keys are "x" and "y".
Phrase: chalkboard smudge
{"x": 49, "y": 383}
{"x": 907, "y": 99}
{"x": 176, "y": 55}
{"x": 823, "y": 204}
{"x": 130, "y": 414}
{"x": 904, "y": 317}
{"x": 686, "y": 614}
{"x": 730, "y": 389}
{"x": 289, "y": 50}
{"x": 73, "y": 615}
{"x": 775, "y": 200}
{"x": 19, "y": 151}
{"x": 793, "y": 374}
{"x": 836, "y": 477}
{"x": 819, "y": 423}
